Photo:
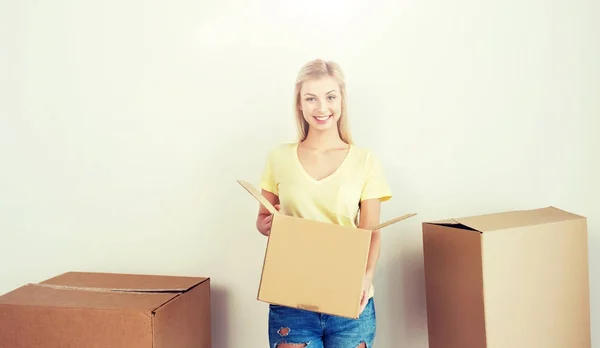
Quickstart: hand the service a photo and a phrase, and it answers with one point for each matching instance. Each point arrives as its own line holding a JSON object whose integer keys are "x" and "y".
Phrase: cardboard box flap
{"x": 512, "y": 219}
{"x": 123, "y": 282}
{"x": 259, "y": 197}
{"x": 40, "y": 295}
{"x": 392, "y": 221}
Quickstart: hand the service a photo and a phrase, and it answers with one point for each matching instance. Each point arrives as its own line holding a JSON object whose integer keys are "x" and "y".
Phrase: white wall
{"x": 129, "y": 121}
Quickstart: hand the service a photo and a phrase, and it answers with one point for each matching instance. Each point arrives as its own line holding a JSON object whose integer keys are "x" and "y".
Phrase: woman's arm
{"x": 370, "y": 211}
{"x": 369, "y": 216}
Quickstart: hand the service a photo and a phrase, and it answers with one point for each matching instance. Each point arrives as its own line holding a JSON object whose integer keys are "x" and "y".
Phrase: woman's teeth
{"x": 322, "y": 118}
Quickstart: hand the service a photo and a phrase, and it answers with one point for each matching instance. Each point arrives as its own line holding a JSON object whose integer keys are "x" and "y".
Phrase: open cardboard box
{"x": 108, "y": 310}
{"x": 515, "y": 279}
{"x": 314, "y": 265}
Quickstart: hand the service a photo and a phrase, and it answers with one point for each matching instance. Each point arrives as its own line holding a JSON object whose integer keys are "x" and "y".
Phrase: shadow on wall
{"x": 219, "y": 321}
{"x": 405, "y": 301}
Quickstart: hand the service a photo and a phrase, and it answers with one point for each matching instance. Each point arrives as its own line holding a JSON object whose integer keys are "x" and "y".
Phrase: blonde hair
{"x": 316, "y": 69}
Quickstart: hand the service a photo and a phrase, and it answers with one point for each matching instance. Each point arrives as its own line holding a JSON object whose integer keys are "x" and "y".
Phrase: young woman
{"x": 324, "y": 177}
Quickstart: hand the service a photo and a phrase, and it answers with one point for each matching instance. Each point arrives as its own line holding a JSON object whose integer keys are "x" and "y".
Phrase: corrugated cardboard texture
{"x": 185, "y": 322}
{"x": 311, "y": 265}
{"x": 455, "y": 312}
{"x": 536, "y": 286}
{"x": 534, "y": 267}
{"x": 101, "y": 310}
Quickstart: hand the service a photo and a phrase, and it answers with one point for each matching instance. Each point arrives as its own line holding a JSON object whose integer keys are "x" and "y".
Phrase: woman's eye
{"x": 331, "y": 97}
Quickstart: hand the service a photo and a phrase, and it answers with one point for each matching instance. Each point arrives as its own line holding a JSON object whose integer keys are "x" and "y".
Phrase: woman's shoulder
{"x": 284, "y": 146}
{"x": 283, "y": 149}
{"x": 364, "y": 154}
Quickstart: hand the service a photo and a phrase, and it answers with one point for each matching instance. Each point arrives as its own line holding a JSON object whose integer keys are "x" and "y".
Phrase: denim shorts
{"x": 315, "y": 330}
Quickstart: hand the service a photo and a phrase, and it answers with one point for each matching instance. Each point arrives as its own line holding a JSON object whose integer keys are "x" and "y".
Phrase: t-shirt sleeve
{"x": 267, "y": 180}
{"x": 376, "y": 184}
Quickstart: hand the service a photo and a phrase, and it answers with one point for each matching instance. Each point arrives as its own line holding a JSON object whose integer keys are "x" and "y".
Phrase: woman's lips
{"x": 322, "y": 119}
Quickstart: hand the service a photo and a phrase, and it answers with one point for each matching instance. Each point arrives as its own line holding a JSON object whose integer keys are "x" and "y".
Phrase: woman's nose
{"x": 322, "y": 108}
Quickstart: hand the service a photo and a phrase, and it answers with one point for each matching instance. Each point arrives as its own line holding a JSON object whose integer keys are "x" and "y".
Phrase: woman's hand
{"x": 367, "y": 281}
{"x": 264, "y": 222}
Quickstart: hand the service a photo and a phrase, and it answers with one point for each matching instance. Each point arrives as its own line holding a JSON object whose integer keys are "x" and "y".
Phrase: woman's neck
{"x": 322, "y": 141}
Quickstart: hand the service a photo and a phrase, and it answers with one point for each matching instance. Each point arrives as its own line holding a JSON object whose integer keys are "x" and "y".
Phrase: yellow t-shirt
{"x": 334, "y": 199}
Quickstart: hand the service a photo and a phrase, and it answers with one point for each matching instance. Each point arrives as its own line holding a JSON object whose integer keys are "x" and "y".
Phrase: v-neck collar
{"x": 310, "y": 177}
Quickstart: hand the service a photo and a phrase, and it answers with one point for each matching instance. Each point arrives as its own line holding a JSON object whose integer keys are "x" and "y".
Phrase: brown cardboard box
{"x": 516, "y": 279}
{"x": 314, "y": 265}
{"x": 103, "y": 310}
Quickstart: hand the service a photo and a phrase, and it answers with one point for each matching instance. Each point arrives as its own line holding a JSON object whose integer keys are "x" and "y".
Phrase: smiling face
{"x": 321, "y": 103}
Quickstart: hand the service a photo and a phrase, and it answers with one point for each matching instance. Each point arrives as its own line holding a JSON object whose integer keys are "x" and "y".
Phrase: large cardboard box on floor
{"x": 314, "y": 265}
{"x": 103, "y": 310}
{"x": 515, "y": 279}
